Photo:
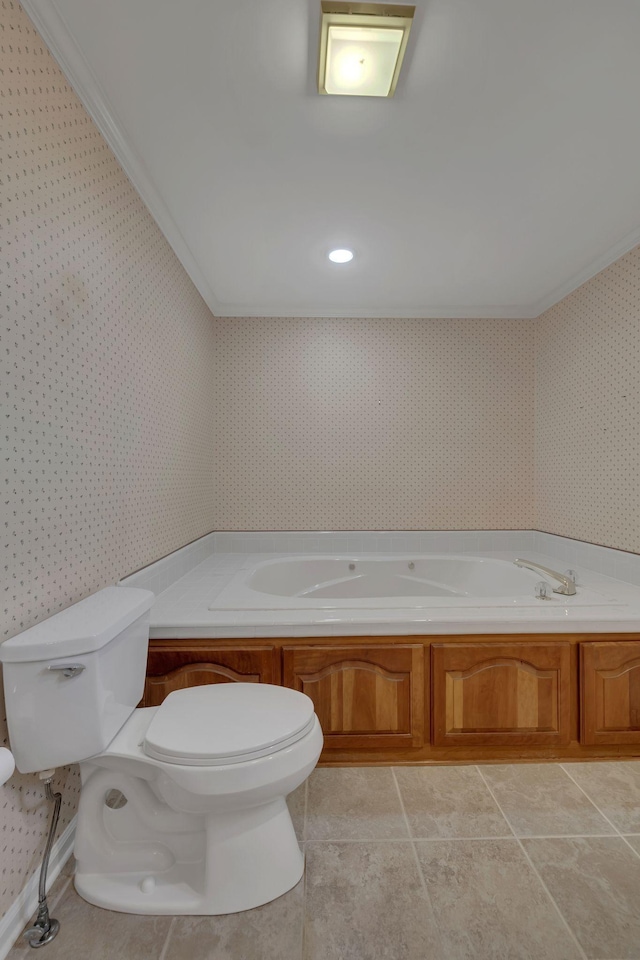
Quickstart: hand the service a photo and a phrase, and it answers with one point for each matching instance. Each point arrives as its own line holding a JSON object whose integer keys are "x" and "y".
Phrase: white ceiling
{"x": 504, "y": 172}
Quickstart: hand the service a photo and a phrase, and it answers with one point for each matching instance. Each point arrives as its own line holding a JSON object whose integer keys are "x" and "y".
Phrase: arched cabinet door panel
{"x": 610, "y": 691}
{"x": 501, "y": 693}
{"x": 364, "y": 696}
{"x": 190, "y": 664}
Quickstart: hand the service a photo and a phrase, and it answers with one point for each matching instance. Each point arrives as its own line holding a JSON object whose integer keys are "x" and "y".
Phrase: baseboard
{"x": 23, "y": 908}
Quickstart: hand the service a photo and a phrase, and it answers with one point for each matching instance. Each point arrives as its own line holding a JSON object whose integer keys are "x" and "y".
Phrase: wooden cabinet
{"x": 433, "y": 699}
{"x": 610, "y": 692}
{"x": 174, "y": 666}
{"x": 501, "y": 693}
{"x": 364, "y": 695}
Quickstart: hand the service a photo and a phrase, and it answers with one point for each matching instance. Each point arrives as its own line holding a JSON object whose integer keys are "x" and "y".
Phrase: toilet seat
{"x": 227, "y": 723}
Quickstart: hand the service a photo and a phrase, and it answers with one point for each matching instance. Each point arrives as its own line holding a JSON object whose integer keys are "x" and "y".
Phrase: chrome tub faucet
{"x": 567, "y": 585}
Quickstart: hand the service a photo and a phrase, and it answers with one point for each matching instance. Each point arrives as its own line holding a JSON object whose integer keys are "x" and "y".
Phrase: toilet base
{"x": 247, "y": 858}
{"x": 157, "y": 838}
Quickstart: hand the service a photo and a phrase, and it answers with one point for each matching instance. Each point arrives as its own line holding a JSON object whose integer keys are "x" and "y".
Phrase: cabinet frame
{"x": 600, "y": 661}
{"x": 544, "y": 660}
{"x": 317, "y": 661}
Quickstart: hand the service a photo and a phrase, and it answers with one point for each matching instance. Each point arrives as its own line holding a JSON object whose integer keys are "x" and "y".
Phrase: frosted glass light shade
{"x": 361, "y": 53}
{"x": 361, "y": 61}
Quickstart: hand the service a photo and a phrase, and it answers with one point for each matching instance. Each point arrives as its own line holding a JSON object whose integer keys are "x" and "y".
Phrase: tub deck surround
{"x": 186, "y": 607}
{"x": 474, "y": 678}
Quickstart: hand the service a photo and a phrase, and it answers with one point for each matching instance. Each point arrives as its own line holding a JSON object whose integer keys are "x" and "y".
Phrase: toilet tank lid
{"x": 82, "y": 628}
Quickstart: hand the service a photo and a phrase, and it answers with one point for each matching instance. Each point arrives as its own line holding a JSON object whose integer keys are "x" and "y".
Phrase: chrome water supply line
{"x": 45, "y": 929}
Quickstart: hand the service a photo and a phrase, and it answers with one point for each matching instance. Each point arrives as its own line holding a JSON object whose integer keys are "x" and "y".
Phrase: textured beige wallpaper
{"x": 373, "y": 424}
{"x": 136, "y": 423}
{"x": 588, "y": 410}
{"x": 106, "y": 382}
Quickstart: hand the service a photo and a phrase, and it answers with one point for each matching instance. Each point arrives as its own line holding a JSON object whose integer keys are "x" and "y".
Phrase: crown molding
{"x": 62, "y": 44}
{"x": 374, "y": 313}
{"x": 609, "y": 256}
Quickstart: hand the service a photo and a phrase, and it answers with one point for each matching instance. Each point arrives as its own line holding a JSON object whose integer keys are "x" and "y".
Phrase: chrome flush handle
{"x": 67, "y": 669}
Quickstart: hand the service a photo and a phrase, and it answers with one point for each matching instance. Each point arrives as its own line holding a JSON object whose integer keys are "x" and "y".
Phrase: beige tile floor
{"x": 537, "y": 861}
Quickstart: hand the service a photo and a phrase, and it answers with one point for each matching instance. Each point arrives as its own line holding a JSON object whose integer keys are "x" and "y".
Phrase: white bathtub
{"x": 379, "y": 583}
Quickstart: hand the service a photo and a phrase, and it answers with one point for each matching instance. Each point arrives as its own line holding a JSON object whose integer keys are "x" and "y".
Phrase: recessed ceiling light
{"x": 361, "y": 47}
{"x": 341, "y": 256}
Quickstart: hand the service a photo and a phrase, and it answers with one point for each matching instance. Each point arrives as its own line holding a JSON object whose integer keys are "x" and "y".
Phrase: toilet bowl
{"x": 207, "y": 831}
{"x": 183, "y": 806}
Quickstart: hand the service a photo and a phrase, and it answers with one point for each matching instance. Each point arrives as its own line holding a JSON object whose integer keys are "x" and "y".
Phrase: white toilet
{"x": 182, "y": 807}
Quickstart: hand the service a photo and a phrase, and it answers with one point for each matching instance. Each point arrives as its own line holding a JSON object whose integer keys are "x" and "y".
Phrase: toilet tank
{"x": 72, "y": 681}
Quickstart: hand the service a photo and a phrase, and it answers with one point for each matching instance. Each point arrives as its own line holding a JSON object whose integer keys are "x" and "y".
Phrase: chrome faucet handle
{"x": 543, "y": 590}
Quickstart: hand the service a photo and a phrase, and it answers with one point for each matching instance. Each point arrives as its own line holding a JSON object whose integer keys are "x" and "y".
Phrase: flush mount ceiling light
{"x": 341, "y": 256}
{"x": 361, "y": 48}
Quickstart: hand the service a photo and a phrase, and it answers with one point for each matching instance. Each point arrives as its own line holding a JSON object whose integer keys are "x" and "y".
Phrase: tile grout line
{"x": 502, "y": 836}
{"x": 304, "y": 813}
{"x": 535, "y": 870}
{"x": 423, "y": 882}
{"x": 165, "y": 947}
{"x": 303, "y": 932}
{"x": 404, "y": 812}
{"x": 618, "y": 833}
{"x": 369, "y": 839}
